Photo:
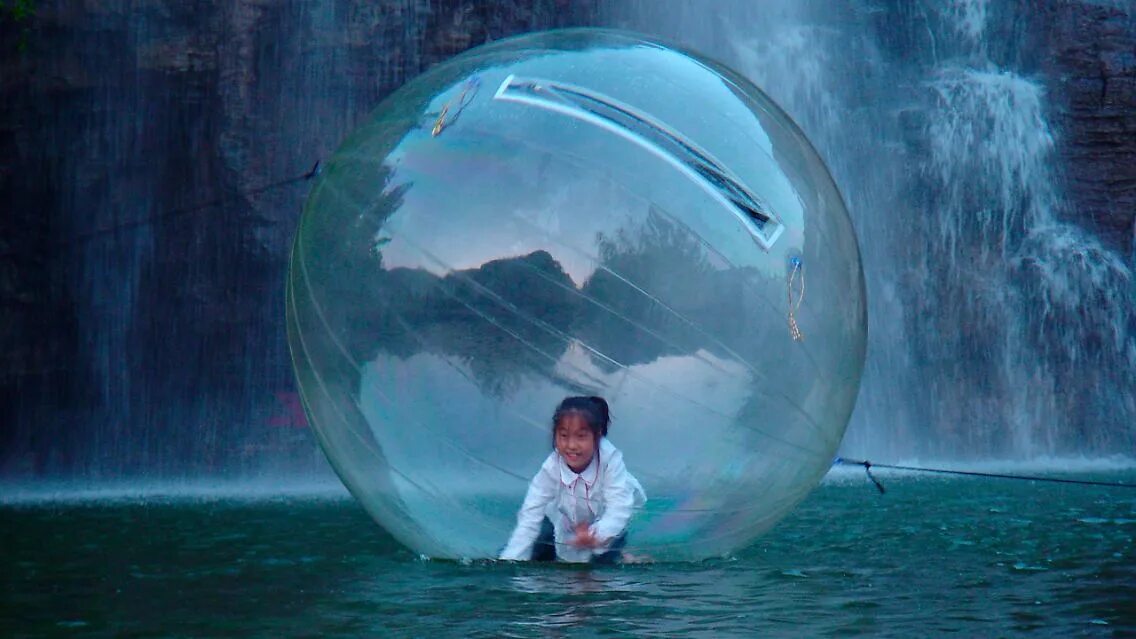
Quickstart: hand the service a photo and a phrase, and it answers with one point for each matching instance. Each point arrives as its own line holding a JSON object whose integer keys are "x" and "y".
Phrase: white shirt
{"x": 603, "y": 495}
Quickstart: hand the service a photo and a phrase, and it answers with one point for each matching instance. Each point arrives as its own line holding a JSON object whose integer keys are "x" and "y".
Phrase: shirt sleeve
{"x": 542, "y": 490}
{"x": 619, "y": 500}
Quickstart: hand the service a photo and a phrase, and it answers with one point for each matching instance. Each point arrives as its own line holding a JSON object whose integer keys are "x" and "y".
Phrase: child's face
{"x": 575, "y": 442}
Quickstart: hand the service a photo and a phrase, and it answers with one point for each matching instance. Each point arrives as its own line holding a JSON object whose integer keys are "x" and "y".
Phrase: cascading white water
{"x": 997, "y": 328}
{"x": 1000, "y": 250}
{"x": 989, "y": 159}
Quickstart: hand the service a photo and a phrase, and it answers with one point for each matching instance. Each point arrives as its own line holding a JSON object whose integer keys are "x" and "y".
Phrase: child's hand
{"x": 585, "y": 538}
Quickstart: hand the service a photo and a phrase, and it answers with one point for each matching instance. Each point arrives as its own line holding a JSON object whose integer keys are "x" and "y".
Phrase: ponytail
{"x": 603, "y": 415}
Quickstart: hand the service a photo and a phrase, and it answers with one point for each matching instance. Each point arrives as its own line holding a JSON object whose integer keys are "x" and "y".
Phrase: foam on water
{"x": 191, "y": 491}
{"x": 174, "y": 491}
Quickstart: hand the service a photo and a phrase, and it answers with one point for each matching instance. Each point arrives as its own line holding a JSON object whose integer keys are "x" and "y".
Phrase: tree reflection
{"x": 516, "y": 316}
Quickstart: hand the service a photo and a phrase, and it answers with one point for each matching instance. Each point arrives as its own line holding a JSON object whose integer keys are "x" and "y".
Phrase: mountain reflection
{"x": 654, "y": 294}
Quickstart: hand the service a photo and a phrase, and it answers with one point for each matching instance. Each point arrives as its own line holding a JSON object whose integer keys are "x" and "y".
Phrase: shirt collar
{"x": 569, "y": 476}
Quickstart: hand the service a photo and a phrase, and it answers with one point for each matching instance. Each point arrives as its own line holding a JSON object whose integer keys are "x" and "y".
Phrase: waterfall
{"x": 997, "y": 326}
{"x": 143, "y": 258}
{"x": 152, "y": 183}
{"x": 1044, "y": 308}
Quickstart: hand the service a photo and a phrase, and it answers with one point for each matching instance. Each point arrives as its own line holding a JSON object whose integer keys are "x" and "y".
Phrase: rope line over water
{"x": 868, "y": 466}
{"x": 112, "y": 229}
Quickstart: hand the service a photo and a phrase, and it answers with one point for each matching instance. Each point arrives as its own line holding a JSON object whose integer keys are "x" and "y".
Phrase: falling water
{"x": 998, "y": 327}
{"x": 152, "y": 184}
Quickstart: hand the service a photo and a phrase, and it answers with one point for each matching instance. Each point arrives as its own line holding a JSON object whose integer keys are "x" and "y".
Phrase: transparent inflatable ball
{"x": 579, "y": 212}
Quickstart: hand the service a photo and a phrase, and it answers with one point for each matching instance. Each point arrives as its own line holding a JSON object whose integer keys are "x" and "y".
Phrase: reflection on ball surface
{"x": 577, "y": 212}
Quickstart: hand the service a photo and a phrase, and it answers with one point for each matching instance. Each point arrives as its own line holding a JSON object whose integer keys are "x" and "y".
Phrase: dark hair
{"x": 593, "y": 409}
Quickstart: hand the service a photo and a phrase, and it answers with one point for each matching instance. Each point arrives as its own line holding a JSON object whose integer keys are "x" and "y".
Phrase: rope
{"x": 794, "y": 330}
{"x": 173, "y": 213}
{"x": 459, "y": 103}
{"x": 973, "y": 473}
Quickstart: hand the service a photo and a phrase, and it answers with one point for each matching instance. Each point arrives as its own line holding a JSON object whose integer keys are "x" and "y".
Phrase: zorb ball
{"x": 580, "y": 212}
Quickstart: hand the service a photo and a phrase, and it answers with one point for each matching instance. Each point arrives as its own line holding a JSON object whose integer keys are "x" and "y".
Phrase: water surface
{"x": 932, "y": 557}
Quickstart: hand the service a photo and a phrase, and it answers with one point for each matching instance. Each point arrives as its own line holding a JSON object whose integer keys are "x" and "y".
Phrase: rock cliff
{"x": 151, "y": 163}
{"x": 1091, "y": 72}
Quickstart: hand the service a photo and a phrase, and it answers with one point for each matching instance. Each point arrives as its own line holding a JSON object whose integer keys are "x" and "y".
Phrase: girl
{"x": 580, "y": 501}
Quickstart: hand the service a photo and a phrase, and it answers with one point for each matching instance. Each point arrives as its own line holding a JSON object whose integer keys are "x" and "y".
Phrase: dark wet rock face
{"x": 145, "y": 231}
{"x": 1092, "y": 75}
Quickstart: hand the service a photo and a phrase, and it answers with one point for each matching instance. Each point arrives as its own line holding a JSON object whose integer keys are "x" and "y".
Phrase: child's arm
{"x": 619, "y": 501}
{"x": 542, "y": 490}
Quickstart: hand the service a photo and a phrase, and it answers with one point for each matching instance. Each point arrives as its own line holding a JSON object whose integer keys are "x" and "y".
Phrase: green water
{"x": 932, "y": 557}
